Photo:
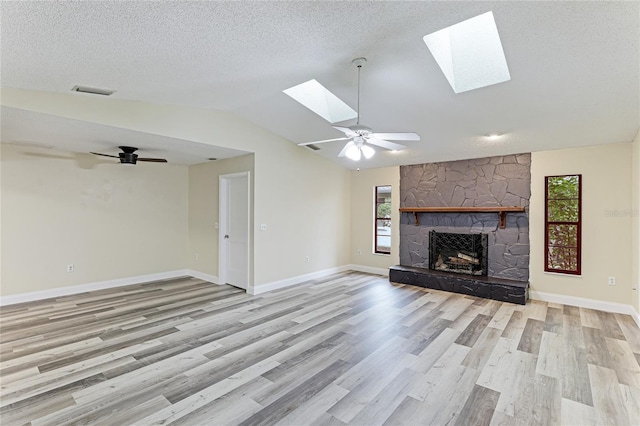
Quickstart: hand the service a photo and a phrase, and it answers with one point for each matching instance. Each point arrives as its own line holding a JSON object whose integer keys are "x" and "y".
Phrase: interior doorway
{"x": 234, "y": 229}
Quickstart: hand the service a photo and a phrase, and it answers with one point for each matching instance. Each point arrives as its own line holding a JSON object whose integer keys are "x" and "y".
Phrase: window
{"x": 563, "y": 204}
{"x": 382, "y": 222}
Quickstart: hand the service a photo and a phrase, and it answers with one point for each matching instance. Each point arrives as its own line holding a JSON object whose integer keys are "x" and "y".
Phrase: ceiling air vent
{"x": 313, "y": 147}
{"x": 93, "y": 90}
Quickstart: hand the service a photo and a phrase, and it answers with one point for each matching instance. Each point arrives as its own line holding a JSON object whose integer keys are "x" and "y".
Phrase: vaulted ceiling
{"x": 575, "y": 71}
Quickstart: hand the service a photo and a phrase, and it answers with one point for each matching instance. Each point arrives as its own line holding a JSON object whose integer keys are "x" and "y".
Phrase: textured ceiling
{"x": 575, "y": 69}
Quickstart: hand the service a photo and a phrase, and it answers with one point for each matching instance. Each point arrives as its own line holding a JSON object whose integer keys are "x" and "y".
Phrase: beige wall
{"x": 204, "y": 210}
{"x": 110, "y": 221}
{"x": 635, "y": 222}
{"x": 305, "y": 202}
{"x": 362, "y": 214}
{"x": 606, "y": 236}
{"x": 303, "y": 198}
{"x": 56, "y": 212}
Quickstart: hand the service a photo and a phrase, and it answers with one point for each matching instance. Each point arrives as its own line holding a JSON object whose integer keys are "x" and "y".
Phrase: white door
{"x": 234, "y": 229}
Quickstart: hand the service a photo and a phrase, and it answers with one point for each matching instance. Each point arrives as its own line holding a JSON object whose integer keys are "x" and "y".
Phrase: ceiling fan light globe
{"x": 367, "y": 151}
{"x": 353, "y": 153}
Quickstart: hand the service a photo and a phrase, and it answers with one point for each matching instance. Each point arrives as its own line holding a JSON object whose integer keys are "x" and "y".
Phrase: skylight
{"x": 318, "y": 99}
{"x": 470, "y": 53}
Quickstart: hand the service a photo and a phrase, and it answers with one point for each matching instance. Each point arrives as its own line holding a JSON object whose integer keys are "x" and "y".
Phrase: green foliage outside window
{"x": 384, "y": 210}
{"x": 563, "y": 198}
{"x": 563, "y": 224}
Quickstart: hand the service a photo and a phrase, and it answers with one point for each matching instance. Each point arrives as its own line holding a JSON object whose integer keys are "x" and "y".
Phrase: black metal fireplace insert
{"x": 458, "y": 253}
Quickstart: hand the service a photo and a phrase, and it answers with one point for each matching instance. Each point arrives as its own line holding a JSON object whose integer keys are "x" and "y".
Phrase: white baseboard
{"x": 369, "y": 269}
{"x": 101, "y": 285}
{"x": 620, "y": 308}
{"x": 202, "y": 276}
{"x": 275, "y": 285}
{"x": 83, "y": 288}
{"x": 287, "y": 282}
{"x": 263, "y": 288}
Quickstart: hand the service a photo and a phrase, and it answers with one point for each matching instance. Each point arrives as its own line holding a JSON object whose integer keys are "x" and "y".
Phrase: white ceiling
{"x": 575, "y": 71}
{"x": 31, "y": 129}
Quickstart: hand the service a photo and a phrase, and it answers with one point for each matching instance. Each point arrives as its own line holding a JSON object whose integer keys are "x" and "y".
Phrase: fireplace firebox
{"x": 458, "y": 253}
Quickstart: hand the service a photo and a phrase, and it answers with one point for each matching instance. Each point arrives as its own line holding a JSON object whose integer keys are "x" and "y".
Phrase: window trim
{"x": 376, "y": 219}
{"x": 578, "y": 224}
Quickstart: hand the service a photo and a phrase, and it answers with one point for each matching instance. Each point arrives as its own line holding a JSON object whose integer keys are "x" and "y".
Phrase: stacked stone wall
{"x": 484, "y": 182}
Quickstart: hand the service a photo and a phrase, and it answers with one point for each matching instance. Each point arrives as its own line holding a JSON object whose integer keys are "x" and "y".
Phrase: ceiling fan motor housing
{"x": 128, "y": 157}
{"x": 361, "y": 130}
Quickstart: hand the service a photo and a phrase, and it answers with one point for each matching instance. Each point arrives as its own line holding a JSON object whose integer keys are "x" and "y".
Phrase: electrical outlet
{"x": 217, "y": 225}
{"x": 307, "y": 258}
{"x": 612, "y": 280}
{"x": 263, "y": 226}
{"x": 195, "y": 256}
{"x": 70, "y": 268}
{"x": 359, "y": 252}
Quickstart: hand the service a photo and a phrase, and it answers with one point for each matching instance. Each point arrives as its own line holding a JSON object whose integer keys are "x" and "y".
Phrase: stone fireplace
{"x": 500, "y": 257}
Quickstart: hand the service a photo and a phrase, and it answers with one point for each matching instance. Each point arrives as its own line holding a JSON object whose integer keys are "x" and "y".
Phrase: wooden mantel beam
{"x": 502, "y": 211}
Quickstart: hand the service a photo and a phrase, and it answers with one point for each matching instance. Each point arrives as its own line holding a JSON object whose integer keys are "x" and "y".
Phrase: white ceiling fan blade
{"x": 347, "y": 131}
{"x": 386, "y": 144}
{"x": 346, "y": 147}
{"x": 397, "y": 136}
{"x": 322, "y": 141}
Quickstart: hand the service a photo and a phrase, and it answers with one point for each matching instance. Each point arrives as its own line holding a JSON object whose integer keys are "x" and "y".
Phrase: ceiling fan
{"x": 361, "y": 137}
{"x": 128, "y": 156}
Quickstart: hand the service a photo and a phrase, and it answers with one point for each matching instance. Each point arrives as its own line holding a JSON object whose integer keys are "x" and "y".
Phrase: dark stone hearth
{"x": 479, "y": 286}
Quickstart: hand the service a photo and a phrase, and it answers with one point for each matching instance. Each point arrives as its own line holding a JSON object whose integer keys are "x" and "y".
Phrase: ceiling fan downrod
{"x": 359, "y": 62}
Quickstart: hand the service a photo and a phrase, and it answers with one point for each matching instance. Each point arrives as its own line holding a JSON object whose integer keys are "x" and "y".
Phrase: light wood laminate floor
{"x": 348, "y": 349}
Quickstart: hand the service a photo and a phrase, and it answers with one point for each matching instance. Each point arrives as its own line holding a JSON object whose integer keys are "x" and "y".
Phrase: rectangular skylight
{"x": 470, "y": 53}
{"x": 318, "y": 99}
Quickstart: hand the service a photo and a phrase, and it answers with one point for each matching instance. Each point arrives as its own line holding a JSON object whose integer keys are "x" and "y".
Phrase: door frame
{"x": 223, "y": 219}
